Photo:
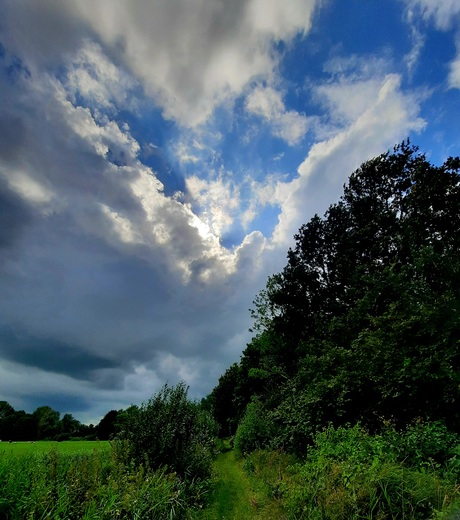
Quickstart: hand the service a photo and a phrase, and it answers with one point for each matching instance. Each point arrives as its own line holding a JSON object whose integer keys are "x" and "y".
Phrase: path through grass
{"x": 238, "y": 496}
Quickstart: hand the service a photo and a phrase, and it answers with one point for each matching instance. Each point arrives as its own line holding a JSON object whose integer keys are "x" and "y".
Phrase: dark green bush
{"x": 350, "y": 474}
{"x": 254, "y": 431}
{"x": 171, "y": 430}
{"x": 423, "y": 444}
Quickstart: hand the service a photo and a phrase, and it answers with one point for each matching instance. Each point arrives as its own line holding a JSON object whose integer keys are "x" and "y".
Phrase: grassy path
{"x": 238, "y": 496}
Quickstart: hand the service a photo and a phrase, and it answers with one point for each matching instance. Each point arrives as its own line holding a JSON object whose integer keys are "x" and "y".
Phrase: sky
{"x": 157, "y": 158}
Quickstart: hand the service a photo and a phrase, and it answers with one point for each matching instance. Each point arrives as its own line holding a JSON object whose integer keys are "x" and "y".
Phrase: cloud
{"x": 386, "y": 115}
{"x": 268, "y": 104}
{"x": 103, "y": 276}
{"x": 454, "y": 73}
{"x": 443, "y": 11}
{"x": 446, "y": 16}
{"x": 218, "y": 200}
{"x": 189, "y": 55}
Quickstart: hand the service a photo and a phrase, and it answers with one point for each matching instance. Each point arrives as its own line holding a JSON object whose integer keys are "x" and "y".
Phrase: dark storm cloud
{"x": 58, "y": 401}
{"x": 15, "y": 215}
{"x": 12, "y": 135}
{"x": 50, "y": 354}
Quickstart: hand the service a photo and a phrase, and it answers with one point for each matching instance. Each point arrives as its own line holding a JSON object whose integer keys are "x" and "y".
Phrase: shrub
{"x": 350, "y": 474}
{"x": 170, "y": 430}
{"x": 423, "y": 444}
{"x": 254, "y": 431}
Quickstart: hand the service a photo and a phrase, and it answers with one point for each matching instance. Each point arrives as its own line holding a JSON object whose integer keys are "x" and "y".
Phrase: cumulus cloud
{"x": 103, "y": 276}
{"x": 218, "y": 199}
{"x": 267, "y": 103}
{"x": 189, "y": 55}
{"x": 387, "y": 115}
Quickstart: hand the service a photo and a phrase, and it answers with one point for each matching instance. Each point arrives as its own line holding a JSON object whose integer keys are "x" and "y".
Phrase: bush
{"x": 424, "y": 444}
{"x": 170, "y": 430}
{"x": 350, "y": 474}
{"x": 254, "y": 431}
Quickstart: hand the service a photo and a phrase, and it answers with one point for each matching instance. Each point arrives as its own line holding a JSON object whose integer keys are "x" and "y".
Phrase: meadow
{"x": 87, "y": 480}
{"x": 40, "y": 447}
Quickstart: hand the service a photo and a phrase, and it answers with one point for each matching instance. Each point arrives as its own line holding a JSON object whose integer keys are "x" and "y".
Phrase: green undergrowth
{"x": 350, "y": 475}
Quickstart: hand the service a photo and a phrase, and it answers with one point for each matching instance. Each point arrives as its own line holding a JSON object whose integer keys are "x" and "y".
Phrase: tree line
{"x": 45, "y": 423}
{"x": 363, "y": 323}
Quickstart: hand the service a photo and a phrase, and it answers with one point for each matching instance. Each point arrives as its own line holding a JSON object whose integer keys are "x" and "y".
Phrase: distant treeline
{"x": 47, "y": 424}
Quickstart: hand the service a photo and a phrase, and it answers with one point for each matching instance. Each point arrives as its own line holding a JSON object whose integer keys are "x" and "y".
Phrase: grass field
{"x": 75, "y": 480}
{"x": 39, "y": 447}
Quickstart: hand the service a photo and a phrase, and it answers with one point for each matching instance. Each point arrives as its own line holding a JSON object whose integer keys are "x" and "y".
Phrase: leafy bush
{"x": 424, "y": 444}
{"x": 170, "y": 430}
{"x": 254, "y": 431}
{"x": 350, "y": 474}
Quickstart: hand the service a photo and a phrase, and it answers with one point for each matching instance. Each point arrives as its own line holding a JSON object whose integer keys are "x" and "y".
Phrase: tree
{"x": 107, "y": 427}
{"x": 364, "y": 321}
{"x": 6, "y": 417}
{"x": 48, "y": 422}
{"x": 223, "y": 400}
{"x": 70, "y": 426}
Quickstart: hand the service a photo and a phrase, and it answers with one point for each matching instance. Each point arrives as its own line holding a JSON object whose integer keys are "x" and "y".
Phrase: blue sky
{"x": 157, "y": 157}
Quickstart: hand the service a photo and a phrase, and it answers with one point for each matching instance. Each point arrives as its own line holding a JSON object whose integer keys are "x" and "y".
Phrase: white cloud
{"x": 454, "y": 73}
{"x": 191, "y": 55}
{"x": 96, "y": 79}
{"x": 218, "y": 199}
{"x": 446, "y": 15}
{"x": 272, "y": 191}
{"x": 390, "y": 115}
{"x": 268, "y": 104}
{"x": 442, "y": 11}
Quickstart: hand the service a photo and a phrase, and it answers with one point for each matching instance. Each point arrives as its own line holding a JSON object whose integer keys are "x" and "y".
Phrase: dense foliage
{"x": 43, "y": 423}
{"x": 170, "y": 430}
{"x": 363, "y": 323}
{"x": 350, "y": 474}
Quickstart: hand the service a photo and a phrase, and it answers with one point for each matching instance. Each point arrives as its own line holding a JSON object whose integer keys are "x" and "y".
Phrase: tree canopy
{"x": 363, "y": 322}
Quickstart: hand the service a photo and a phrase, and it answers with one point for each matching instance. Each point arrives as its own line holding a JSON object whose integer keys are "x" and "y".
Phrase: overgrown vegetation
{"x": 350, "y": 474}
{"x": 173, "y": 432}
{"x": 99, "y": 485}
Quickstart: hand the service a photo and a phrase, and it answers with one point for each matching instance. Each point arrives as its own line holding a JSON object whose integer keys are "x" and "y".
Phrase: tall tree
{"x": 364, "y": 321}
{"x": 48, "y": 422}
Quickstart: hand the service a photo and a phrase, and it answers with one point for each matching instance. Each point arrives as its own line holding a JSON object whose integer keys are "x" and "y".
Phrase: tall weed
{"x": 93, "y": 486}
{"x": 350, "y": 475}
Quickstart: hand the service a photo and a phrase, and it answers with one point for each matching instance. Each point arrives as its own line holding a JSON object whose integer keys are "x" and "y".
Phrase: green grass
{"x": 84, "y": 480}
{"x": 239, "y": 494}
{"x": 39, "y": 447}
